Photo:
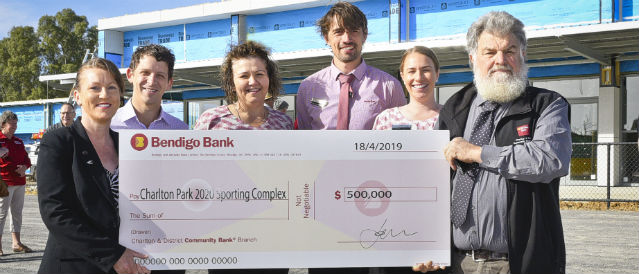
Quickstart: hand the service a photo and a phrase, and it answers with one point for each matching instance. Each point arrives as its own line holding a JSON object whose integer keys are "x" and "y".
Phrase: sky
{"x": 28, "y": 12}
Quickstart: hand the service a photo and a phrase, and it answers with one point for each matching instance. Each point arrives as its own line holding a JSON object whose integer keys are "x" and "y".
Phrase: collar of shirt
{"x": 479, "y": 101}
{"x": 128, "y": 113}
{"x": 359, "y": 71}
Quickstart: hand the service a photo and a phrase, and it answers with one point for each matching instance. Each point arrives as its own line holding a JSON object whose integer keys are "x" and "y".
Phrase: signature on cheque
{"x": 369, "y": 237}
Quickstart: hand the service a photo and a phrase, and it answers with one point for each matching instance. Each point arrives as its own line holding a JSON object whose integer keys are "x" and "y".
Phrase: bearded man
{"x": 510, "y": 145}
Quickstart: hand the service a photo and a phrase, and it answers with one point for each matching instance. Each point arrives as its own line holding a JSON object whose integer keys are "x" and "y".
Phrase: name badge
{"x": 319, "y": 102}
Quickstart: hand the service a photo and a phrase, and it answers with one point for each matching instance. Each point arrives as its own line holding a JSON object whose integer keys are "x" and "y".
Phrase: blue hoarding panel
{"x": 535, "y": 72}
{"x": 171, "y": 37}
{"x": 290, "y": 88}
{"x": 455, "y": 78}
{"x": 565, "y": 70}
{"x": 207, "y": 40}
{"x": 403, "y": 13}
{"x": 286, "y": 31}
{"x": 377, "y": 14}
{"x": 31, "y": 119}
{"x": 295, "y": 30}
{"x": 115, "y": 58}
{"x": 203, "y": 93}
{"x": 431, "y": 18}
{"x": 629, "y": 66}
{"x": 606, "y": 11}
{"x": 55, "y": 110}
{"x": 630, "y": 10}
{"x": 101, "y": 44}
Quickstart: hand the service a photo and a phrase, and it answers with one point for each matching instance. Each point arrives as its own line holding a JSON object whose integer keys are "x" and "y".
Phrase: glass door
{"x": 583, "y": 124}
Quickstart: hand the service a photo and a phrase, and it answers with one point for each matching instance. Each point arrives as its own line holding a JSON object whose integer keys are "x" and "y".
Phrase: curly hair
{"x": 246, "y": 50}
{"x": 159, "y": 52}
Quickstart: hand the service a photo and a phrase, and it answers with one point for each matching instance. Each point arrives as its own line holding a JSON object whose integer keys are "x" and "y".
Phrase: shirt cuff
{"x": 490, "y": 156}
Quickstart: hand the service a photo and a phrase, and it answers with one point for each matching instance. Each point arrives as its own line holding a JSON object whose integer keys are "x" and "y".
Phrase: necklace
{"x": 258, "y": 121}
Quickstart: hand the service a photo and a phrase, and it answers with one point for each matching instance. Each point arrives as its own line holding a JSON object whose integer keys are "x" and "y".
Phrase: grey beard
{"x": 501, "y": 88}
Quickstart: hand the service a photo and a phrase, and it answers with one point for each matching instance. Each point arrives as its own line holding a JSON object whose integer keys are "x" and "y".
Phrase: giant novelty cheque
{"x": 284, "y": 199}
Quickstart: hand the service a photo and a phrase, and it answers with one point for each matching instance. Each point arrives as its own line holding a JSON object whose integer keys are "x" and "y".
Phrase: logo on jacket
{"x": 139, "y": 142}
{"x": 523, "y": 131}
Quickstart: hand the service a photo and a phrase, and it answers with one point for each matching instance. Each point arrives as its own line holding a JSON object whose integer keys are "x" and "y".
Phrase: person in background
{"x": 248, "y": 75}
{"x": 281, "y": 106}
{"x": 419, "y": 70}
{"x": 269, "y": 100}
{"x": 67, "y": 114}
{"x": 348, "y": 94}
{"x": 78, "y": 182}
{"x": 510, "y": 145}
{"x": 13, "y": 166}
{"x": 151, "y": 74}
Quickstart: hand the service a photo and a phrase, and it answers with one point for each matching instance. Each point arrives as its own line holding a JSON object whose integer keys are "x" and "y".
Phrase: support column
{"x": 238, "y": 29}
{"x": 609, "y": 123}
{"x": 395, "y": 22}
{"x": 110, "y": 46}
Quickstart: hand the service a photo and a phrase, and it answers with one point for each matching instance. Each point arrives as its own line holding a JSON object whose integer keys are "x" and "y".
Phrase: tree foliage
{"x": 58, "y": 46}
{"x": 64, "y": 39}
{"x": 20, "y": 65}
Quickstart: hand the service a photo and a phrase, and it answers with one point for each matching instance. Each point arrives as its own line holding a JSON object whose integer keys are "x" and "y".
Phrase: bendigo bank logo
{"x": 139, "y": 142}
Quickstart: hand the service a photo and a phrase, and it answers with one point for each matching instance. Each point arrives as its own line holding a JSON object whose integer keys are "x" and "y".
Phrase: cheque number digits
{"x": 188, "y": 261}
{"x": 368, "y": 194}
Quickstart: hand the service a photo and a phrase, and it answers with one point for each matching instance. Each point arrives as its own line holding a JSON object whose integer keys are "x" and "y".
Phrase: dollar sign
{"x": 337, "y": 195}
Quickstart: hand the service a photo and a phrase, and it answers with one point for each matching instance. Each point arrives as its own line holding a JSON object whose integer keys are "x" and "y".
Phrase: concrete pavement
{"x": 596, "y": 242}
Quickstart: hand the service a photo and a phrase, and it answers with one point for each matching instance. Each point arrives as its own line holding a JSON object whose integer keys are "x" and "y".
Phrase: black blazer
{"x": 76, "y": 204}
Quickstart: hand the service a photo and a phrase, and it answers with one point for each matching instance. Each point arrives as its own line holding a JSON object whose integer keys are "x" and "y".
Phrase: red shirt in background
{"x": 17, "y": 156}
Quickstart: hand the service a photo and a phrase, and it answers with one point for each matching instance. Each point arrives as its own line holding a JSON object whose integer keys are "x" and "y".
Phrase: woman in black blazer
{"x": 77, "y": 182}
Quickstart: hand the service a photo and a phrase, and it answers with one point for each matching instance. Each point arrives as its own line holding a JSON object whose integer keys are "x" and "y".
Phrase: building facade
{"x": 585, "y": 49}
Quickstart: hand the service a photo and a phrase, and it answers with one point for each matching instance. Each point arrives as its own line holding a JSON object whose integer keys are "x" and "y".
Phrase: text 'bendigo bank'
{"x": 191, "y": 143}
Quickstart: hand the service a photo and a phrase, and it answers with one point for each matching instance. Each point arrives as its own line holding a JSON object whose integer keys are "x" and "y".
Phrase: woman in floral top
{"x": 419, "y": 70}
{"x": 248, "y": 74}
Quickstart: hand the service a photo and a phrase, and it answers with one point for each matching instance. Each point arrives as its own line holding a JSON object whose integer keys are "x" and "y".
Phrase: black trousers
{"x": 249, "y": 271}
{"x": 349, "y": 270}
{"x": 171, "y": 271}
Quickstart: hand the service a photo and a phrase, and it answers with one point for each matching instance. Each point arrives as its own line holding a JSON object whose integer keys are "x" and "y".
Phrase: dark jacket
{"x": 535, "y": 234}
{"x": 53, "y": 127}
{"x": 76, "y": 204}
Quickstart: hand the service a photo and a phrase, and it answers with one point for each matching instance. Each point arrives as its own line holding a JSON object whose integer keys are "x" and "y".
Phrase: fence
{"x": 603, "y": 172}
